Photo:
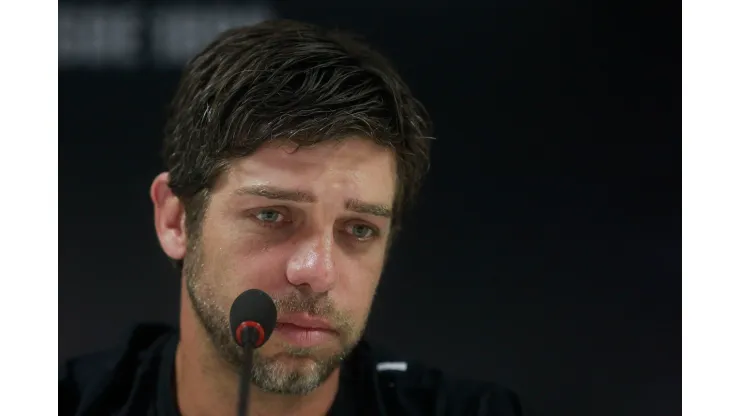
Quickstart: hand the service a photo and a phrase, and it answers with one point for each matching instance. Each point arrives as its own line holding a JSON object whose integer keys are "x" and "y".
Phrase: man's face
{"x": 310, "y": 228}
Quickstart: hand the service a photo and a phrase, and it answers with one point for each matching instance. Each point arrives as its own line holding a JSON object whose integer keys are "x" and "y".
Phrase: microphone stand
{"x": 245, "y": 378}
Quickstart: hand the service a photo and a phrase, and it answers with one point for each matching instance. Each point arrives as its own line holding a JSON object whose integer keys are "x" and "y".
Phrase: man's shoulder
{"x": 414, "y": 387}
{"x": 86, "y": 380}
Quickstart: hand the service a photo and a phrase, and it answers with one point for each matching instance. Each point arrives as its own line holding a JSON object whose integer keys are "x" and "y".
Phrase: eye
{"x": 269, "y": 216}
{"x": 362, "y": 231}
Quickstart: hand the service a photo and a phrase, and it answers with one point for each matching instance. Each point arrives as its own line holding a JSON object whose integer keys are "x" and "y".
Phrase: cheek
{"x": 248, "y": 264}
{"x": 239, "y": 260}
{"x": 357, "y": 281}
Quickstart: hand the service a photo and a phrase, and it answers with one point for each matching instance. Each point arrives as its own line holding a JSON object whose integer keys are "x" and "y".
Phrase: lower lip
{"x": 303, "y": 337}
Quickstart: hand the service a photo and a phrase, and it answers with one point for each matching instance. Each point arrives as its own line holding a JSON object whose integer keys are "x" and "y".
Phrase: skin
{"x": 309, "y": 227}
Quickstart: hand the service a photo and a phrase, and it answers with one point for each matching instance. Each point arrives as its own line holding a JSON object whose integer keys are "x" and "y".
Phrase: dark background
{"x": 548, "y": 232}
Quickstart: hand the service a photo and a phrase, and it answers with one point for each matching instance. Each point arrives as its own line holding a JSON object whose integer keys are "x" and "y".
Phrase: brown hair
{"x": 288, "y": 80}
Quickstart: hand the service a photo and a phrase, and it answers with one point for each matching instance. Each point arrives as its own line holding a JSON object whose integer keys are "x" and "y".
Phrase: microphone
{"x": 253, "y": 316}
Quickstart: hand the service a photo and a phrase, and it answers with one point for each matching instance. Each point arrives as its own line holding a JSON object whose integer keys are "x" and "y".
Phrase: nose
{"x": 312, "y": 264}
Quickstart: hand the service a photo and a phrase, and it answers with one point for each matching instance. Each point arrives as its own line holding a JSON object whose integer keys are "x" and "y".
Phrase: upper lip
{"x": 306, "y": 321}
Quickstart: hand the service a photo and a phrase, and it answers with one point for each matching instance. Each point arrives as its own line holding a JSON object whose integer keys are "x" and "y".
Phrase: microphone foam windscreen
{"x": 256, "y": 306}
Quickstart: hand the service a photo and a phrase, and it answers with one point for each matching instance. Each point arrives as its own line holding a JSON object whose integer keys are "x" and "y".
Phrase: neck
{"x": 207, "y": 385}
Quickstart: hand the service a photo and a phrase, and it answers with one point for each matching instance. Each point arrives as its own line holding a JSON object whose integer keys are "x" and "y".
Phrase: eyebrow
{"x": 272, "y": 192}
{"x": 379, "y": 210}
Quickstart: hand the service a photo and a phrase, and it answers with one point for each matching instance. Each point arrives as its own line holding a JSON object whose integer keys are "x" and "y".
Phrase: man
{"x": 291, "y": 153}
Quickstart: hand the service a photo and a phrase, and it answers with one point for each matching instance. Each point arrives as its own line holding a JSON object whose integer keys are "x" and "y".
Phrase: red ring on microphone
{"x": 250, "y": 324}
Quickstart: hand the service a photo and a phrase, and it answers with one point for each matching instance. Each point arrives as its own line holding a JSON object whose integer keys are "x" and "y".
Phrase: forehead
{"x": 353, "y": 167}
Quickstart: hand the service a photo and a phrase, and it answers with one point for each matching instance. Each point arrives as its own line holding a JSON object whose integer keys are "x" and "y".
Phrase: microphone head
{"x": 253, "y": 309}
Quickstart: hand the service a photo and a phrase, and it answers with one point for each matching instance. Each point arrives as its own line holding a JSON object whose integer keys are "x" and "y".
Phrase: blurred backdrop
{"x": 549, "y": 228}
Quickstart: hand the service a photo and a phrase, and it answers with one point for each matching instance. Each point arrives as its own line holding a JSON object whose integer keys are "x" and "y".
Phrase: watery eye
{"x": 269, "y": 216}
{"x": 362, "y": 232}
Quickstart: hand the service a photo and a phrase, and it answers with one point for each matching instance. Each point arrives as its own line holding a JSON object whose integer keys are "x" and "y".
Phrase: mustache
{"x": 317, "y": 305}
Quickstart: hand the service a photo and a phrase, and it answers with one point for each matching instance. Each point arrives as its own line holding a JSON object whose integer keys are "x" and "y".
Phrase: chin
{"x": 302, "y": 359}
{"x": 298, "y": 352}
{"x": 297, "y": 364}
{"x": 287, "y": 372}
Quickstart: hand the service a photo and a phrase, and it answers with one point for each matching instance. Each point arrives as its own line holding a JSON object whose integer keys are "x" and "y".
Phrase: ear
{"x": 169, "y": 217}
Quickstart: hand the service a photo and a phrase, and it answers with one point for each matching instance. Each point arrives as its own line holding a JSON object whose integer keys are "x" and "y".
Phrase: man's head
{"x": 291, "y": 154}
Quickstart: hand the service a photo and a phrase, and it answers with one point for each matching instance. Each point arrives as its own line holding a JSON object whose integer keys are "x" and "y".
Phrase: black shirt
{"x": 138, "y": 380}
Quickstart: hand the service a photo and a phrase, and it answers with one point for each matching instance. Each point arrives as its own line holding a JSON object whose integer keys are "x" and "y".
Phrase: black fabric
{"x": 138, "y": 380}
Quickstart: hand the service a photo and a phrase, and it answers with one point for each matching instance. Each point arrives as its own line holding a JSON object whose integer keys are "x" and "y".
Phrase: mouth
{"x": 304, "y": 330}
{"x": 305, "y": 321}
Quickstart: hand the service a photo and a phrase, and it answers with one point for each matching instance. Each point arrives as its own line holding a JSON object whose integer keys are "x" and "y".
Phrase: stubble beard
{"x": 294, "y": 371}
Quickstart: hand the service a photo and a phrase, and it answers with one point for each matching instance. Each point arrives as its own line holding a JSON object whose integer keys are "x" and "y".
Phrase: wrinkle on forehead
{"x": 352, "y": 167}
